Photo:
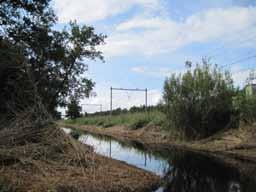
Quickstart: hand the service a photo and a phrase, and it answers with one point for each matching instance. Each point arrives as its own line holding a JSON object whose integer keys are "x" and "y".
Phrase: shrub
{"x": 245, "y": 107}
{"x": 199, "y": 102}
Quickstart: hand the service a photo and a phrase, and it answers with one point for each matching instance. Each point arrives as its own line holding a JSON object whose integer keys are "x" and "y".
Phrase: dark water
{"x": 180, "y": 171}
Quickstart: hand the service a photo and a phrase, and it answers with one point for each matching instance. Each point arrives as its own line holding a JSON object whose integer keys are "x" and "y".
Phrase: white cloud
{"x": 94, "y": 10}
{"x": 144, "y": 23}
{"x": 151, "y": 32}
{"x": 144, "y": 35}
{"x": 157, "y": 72}
{"x": 138, "y": 69}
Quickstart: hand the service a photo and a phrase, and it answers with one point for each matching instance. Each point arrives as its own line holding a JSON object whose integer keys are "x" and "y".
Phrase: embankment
{"x": 236, "y": 143}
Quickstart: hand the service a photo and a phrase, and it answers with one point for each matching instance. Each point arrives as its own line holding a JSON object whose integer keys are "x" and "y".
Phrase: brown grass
{"x": 37, "y": 156}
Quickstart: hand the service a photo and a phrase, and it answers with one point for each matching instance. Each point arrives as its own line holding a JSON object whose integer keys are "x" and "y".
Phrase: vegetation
{"x": 203, "y": 101}
{"x": 132, "y": 120}
{"x": 245, "y": 107}
{"x": 199, "y": 102}
{"x": 119, "y": 111}
{"x": 74, "y": 109}
{"x": 32, "y": 50}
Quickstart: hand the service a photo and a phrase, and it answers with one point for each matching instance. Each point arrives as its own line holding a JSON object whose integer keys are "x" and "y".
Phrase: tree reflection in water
{"x": 196, "y": 173}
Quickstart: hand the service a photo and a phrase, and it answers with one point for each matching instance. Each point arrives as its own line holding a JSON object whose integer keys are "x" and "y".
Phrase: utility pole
{"x": 123, "y": 89}
{"x": 111, "y": 89}
{"x": 146, "y": 100}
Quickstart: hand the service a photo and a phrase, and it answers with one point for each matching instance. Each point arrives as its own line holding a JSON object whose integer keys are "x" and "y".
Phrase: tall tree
{"x": 54, "y": 59}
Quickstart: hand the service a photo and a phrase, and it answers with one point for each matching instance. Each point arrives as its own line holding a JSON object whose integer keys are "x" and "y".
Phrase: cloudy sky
{"x": 150, "y": 39}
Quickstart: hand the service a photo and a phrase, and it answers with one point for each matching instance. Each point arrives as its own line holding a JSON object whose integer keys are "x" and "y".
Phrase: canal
{"x": 181, "y": 171}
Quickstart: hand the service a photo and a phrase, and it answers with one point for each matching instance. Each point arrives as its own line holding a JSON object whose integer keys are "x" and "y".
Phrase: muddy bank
{"x": 59, "y": 163}
{"x": 237, "y": 143}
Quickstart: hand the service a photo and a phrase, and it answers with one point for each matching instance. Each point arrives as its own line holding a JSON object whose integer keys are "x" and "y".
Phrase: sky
{"x": 148, "y": 40}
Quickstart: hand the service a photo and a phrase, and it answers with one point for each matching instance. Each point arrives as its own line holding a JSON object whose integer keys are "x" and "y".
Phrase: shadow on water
{"x": 196, "y": 173}
{"x": 181, "y": 171}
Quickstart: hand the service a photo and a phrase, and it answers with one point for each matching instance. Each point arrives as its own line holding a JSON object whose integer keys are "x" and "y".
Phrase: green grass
{"x": 131, "y": 120}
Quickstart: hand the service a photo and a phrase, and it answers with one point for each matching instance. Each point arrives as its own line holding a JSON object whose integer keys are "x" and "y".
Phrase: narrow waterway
{"x": 179, "y": 170}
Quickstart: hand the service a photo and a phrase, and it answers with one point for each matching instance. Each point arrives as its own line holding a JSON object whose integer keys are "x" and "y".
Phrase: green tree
{"x": 199, "y": 102}
{"x": 54, "y": 59}
{"x": 74, "y": 110}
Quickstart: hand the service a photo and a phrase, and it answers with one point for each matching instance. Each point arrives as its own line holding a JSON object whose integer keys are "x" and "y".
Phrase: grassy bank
{"x": 131, "y": 120}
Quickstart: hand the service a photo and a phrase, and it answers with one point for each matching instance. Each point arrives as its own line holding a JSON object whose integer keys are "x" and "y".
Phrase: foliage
{"x": 245, "y": 107}
{"x": 53, "y": 59}
{"x": 17, "y": 91}
{"x": 119, "y": 111}
{"x": 199, "y": 102}
{"x": 74, "y": 110}
{"x": 131, "y": 120}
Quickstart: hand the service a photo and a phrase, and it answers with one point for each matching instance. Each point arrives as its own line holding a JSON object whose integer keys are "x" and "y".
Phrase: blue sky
{"x": 150, "y": 39}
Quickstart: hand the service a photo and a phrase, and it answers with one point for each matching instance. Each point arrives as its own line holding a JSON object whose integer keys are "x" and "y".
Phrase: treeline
{"x": 39, "y": 63}
{"x": 118, "y": 111}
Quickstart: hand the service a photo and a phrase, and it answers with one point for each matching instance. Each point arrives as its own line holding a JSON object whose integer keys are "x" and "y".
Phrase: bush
{"x": 245, "y": 107}
{"x": 199, "y": 102}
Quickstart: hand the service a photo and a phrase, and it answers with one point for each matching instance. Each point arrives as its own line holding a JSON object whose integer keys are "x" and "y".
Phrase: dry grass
{"x": 37, "y": 156}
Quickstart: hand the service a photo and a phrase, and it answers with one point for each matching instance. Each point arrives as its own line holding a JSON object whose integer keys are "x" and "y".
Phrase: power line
{"x": 125, "y": 89}
{"x": 239, "y": 60}
{"x": 239, "y": 39}
{"x": 223, "y": 52}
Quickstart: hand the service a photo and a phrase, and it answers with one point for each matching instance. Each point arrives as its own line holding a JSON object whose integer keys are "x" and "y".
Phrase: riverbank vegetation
{"x": 204, "y": 101}
{"x": 199, "y": 102}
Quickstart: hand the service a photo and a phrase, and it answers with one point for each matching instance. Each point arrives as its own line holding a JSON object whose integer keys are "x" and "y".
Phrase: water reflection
{"x": 181, "y": 171}
{"x": 127, "y": 152}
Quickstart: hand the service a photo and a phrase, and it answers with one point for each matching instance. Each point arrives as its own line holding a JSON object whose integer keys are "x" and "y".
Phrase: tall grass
{"x": 131, "y": 120}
